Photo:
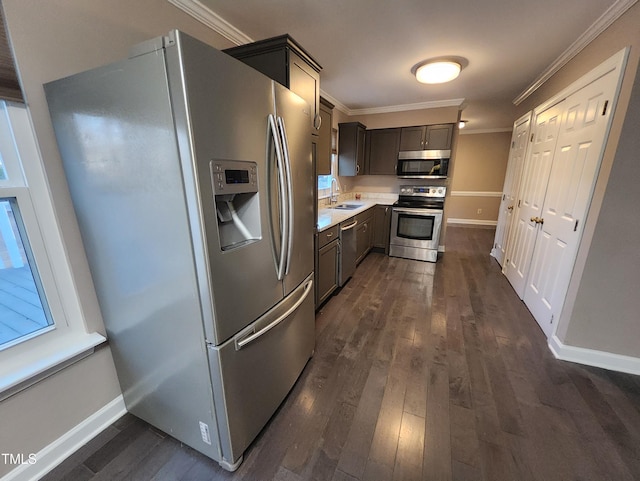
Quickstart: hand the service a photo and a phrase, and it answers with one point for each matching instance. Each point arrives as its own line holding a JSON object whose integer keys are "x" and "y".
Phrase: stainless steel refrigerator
{"x": 191, "y": 177}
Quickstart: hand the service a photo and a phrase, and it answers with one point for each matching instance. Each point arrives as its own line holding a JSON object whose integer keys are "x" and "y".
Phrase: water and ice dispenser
{"x": 235, "y": 187}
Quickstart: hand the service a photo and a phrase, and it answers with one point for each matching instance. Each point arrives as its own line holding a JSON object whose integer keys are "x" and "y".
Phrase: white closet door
{"x": 519, "y": 143}
{"x": 575, "y": 166}
{"x": 535, "y": 177}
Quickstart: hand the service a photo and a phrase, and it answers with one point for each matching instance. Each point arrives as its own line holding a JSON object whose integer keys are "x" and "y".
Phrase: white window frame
{"x": 69, "y": 339}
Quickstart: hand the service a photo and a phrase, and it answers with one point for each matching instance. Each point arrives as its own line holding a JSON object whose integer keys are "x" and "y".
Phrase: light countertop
{"x": 329, "y": 216}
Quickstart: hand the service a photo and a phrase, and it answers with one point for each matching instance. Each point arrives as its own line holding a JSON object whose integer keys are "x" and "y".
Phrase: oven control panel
{"x": 423, "y": 191}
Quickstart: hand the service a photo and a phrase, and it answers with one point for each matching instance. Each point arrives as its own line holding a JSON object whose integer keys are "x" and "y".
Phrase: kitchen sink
{"x": 347, "y": 206}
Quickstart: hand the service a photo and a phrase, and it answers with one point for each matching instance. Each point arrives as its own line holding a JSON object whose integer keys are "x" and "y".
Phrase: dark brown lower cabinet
{"x": 364, "y": 234}
{"x": 381, "y": 227}
{"x": 327, "y": 263}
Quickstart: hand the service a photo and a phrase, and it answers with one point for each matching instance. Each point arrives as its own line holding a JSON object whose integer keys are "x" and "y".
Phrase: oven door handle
{"x": 404, "y": 210}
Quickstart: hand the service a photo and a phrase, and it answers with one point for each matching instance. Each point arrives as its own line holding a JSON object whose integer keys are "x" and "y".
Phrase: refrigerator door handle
{"x": 287, "y": 164}
{"x": 243, "y": 342}
{"x": 283, "y": 200}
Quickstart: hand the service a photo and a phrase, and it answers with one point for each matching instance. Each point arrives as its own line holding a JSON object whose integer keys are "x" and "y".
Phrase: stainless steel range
{"x": 416, "y": 221}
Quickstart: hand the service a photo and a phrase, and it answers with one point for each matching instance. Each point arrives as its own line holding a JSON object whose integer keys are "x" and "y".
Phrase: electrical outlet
{"x": 479, "y": 211}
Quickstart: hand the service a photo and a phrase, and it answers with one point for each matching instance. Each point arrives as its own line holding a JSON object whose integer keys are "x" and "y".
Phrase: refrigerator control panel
{"x": 234, "y": 176}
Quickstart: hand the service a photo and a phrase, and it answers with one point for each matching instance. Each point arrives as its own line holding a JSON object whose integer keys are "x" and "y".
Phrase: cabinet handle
{"x": 317, "y": 121}
{"x": 357, "y": 169}
{"x": 330, "y": 235}
{"x": 510, "y": 207}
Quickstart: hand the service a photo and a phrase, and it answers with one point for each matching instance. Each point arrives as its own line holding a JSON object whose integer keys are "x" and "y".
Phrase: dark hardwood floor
{"x": 421, "y": 372}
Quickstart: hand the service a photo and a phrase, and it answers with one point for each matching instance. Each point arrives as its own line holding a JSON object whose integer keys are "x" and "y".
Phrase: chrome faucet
{"x": 334, "y": 193}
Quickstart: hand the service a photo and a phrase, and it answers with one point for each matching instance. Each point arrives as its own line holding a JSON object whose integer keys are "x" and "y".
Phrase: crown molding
{"x": 336, "y": 103}
{"x": 497, "y": 130}
{"x": 459, "y": 103}
{"x": 212, "y": 20}
{"x": 600, "y": 25}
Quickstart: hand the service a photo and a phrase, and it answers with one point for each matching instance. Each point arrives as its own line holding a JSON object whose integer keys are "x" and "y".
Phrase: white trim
{"x": 486, "y": 222}
{"x": 592, "y": 357}
{"x": 52, "y": 455}
{"x": 20, "y": 372}
{"x": 497, "y": 130}
{"x": 599, "y": 26}
{"x": 336, "y": 103}
{"x": 471, "y": 193}
{"x": 616, "y": 62}
{"x": 212, "y": 20}
{"x": 405, "y": 107}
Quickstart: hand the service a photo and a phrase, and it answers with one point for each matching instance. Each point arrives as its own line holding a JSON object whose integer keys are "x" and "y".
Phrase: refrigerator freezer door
{"x": 225, "y": 105}
{"x": 252, "y": 378}
{"x": 293, "y": 114}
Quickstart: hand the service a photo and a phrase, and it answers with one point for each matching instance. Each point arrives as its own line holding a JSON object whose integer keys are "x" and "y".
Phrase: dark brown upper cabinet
{"x": 323, "y": 152}
{"x": 426, "y": 137}
{"x": 285, "y": 61}
{"x": 382, "y": 151}
{"x": 351, "y": 149}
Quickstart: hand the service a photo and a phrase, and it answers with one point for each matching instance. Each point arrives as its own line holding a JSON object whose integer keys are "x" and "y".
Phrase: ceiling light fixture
{"x": 462, "y": 123}
{"x": 436, "y": 72}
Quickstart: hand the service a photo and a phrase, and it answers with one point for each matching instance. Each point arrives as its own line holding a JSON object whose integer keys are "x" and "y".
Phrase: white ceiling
{"x": 368, "y": 47}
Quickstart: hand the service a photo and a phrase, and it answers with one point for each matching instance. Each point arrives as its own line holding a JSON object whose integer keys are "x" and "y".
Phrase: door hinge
{"x": 531, "y": 140}
{"x": 551, "y": 321}
{"x": 575, "y": 226}
{"x": 604, "y": 110}
{"x": 518, "y": 203}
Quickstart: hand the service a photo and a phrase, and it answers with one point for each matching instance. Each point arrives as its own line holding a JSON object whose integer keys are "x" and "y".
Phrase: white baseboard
{"x": 67, "y": 444}
{"x": 591, "y": 357}
{"x": 452, "y": 220}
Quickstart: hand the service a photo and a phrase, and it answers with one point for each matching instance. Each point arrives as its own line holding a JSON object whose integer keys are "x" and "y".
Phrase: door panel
{"x": 519, "y": 144}
{"x": 295, "y": 113}
{"x": 228, "y": 120}
{"x": 251, "y": 380}
{"x": 575, "y": 166}
{"x": 536, "y": 172}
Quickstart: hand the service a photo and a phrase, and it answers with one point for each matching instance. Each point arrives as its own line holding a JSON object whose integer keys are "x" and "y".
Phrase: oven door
{"x": 413, "y": 227}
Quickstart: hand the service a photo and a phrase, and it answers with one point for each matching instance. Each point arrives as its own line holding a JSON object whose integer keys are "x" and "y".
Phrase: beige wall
{"x": 53, "y": 39}
{"x": 602, "y": 305}
{"x": 481, "y": 163}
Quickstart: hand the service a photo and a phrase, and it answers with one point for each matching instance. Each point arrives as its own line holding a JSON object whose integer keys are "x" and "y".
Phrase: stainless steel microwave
{"x": 423, "y": 164}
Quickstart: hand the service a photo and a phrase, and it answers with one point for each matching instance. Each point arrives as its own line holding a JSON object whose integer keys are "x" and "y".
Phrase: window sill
{"x": 53, "y": 357}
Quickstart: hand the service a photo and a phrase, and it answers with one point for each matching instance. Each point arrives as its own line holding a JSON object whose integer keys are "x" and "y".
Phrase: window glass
{"x": 23, "y": 310}
{"x": 324, "y": 182}
{"x": 3, "y": 172}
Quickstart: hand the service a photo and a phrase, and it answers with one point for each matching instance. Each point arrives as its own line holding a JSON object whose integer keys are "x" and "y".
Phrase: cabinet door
{"x": 327, "y": 277}
{"x": 364, "y": 238}
{"x": 438, "y": 137}
{"x": 382, "y": 151}
{"x": 323, "y": 160}
{"x": 351, "y": 149}
{"x": 412, "y": 138}
{"x": 381, "y": 226}
{"x": 305, "y": 82}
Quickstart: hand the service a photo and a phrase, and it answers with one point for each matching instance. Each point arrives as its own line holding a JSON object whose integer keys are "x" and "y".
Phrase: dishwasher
{"x": 347, "y": 250}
